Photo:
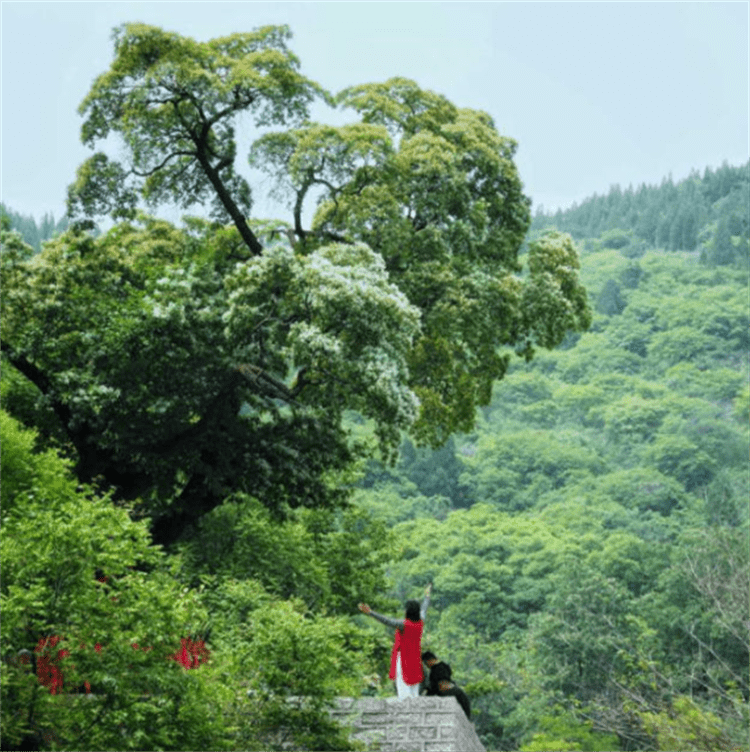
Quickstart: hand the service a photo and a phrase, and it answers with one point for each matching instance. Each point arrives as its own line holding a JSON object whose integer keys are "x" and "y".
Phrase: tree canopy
{"x": 185, "y": 364}
{"x": 707, "y": 214}
{"x": 174, "y": 101}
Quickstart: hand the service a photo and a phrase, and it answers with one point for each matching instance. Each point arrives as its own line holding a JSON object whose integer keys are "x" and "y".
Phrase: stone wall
{"x": 421, "y": 724}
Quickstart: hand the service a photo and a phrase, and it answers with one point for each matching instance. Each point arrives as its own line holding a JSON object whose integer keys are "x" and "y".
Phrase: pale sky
{"x": 595, "y": 93}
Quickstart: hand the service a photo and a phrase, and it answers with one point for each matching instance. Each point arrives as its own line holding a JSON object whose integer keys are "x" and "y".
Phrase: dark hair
{"x": 428, "y": 656}
{"x": 412, "y": 611}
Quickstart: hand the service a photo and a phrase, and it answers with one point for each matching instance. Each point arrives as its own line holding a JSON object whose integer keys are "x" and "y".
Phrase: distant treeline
{"x": 707, "y": 214}
{"x": 34, "y": 234}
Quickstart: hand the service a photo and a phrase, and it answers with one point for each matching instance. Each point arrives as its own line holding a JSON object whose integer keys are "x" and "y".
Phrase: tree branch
{"x": 42, "y": 382}
{"x": 332, "y": 236}
{"x": 267, "y": 384}
{"x": 93, "y": 461}
{"x": 301, "y": 193}
{"x": 240, "y": 223}
{"x": 238, "y": 104}
{"x": 163, "y": 164}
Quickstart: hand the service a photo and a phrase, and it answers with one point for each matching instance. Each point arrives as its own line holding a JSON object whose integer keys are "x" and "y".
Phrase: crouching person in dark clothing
{"x": 441, "y": 674}
{"x": 435, "y": 667}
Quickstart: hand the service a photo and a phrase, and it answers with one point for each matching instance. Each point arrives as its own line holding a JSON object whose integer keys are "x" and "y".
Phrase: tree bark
{"x": 240, "y": 223}
{"x": 194, "y": 501}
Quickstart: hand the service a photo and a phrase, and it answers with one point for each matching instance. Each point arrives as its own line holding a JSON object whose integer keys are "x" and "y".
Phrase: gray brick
{"x": 372, "y": 722}
{"x": 397, "y": 733}
{"x": 447, "y": 718}
{"x": 422, "y": 732}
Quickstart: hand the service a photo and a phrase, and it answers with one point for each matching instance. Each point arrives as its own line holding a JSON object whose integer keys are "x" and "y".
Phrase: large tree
{"x": 185, "y": 365}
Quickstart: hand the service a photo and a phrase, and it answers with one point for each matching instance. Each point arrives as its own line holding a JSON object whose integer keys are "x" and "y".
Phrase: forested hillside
{"x": 220, "y": 437}
{"x": 589, "y": 541}
{"x": 32, "y": 233}
{"x": 708, "y": 214}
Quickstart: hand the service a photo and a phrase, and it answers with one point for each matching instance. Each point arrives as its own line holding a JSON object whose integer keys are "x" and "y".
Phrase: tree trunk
{"x": 239, "y": 220}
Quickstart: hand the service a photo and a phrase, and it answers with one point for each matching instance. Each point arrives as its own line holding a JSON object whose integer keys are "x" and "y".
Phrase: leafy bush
{"x": 86, "y": 632}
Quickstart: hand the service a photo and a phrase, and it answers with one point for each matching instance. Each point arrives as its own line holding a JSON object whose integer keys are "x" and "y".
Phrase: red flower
{"x": 49, "y": 675}
{"x": 191, "y": 654}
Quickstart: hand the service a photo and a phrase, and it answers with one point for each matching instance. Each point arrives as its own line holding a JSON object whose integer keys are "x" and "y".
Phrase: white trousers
{"x": 404, "y": 690}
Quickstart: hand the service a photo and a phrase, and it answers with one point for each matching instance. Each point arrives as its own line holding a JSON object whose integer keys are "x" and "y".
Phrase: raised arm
{"x": 425, "y": 602}
{"x": 387, "y": 620}
{"x": 398, "y": 623}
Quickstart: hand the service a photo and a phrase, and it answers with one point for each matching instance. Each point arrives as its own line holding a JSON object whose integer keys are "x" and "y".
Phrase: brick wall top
{"x": 420, "y": 724}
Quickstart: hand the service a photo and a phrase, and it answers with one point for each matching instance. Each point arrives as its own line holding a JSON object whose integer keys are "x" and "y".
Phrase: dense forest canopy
{"x": 191, "y": 416}
{"x": 588, "y": 541}
{"x": 708, "y": 214}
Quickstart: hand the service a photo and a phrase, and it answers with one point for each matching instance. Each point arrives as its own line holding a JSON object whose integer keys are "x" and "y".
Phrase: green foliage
{"x": 397, "y": 502}
{"x": 594, "y": 354}
{"x": 616, "y": 239}
{"x": 435, "y": 473}
{"x": 20, "y": 397}
{"x": 643, "y": 489}
{"x": 708, "y": 214}
{"x": 586, "y": 535}
{"x": 14, "y": 249}
{"x": 492, "y": 584}
{"x": 329, "y": 561}
{"x": 292, "y": 665}
{"x": 163, "y": 342}
{"x": 363, "y": 361}
{"x": 563, "y": 731}
{"x": 434, "y": 191}
{"x": 680, "y": 458}
{"x": 555, "y": 291}
{"x": 633, "y": 418}
{"x": 726, "y": 241}
{"x": 607, "y": 582}
{"x": 185, "y": 365}
{"x": 55, "y": 538}
{"x": 688, "y": 726}
{"x": 715, "y": 564}
{"x": 174, "y": 102}
{"x": 513, "y": 471}
{"x": 718, "y": 385}
{"x": 610, "y": 301}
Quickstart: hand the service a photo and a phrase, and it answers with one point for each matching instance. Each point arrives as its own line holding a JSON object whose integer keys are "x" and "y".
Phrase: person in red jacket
{"x": 406, "y": 656}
